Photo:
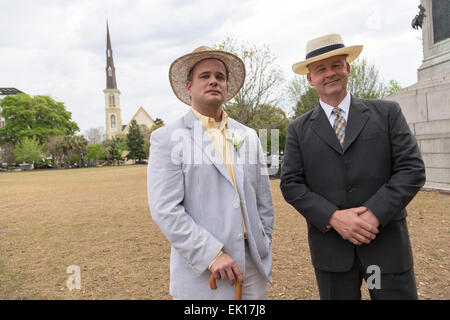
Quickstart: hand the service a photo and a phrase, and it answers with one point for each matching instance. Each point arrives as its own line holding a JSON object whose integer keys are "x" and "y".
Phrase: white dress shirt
{"x": 344, "y": 105}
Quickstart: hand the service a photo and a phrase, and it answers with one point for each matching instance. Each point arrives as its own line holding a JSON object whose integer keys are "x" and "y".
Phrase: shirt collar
{"x": 210, "y": 123}
{"x": 344, "y": 105}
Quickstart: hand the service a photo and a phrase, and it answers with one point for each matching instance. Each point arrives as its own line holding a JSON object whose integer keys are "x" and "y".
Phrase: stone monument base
{"x": 426, "y": 106}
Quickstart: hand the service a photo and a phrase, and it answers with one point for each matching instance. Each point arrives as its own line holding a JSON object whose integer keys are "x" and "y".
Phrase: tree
{"x": 114, "y": 149}
{"x": 7, "y": 154}
{"x": 135, "y": 142}
{"x": 53, "y": 147}
{"x": 364, "y": 81}
{"x": 263, "y": 78}
{"x": 302, "y": 95}
{"x": 393, "y": 87}
{"x": 38, "y": 116}
{"x": 95, "y": 135}
{"x": 95, "y": 152}
{"x": 79, "y": 148}
{"x": 271, "y": 118}
{"x": 29, "y": 151}
{"x": 66, "y": 146}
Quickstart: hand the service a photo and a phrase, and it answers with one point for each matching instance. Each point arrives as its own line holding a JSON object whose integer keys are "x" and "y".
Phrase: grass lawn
{"x": 98, "y": 219}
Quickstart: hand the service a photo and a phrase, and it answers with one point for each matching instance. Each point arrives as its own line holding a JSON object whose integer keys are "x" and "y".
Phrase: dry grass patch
{"x": 99, "y": 220}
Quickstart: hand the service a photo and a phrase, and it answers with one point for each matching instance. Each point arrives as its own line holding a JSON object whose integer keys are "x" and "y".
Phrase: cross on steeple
{"x": 110, "y": 70}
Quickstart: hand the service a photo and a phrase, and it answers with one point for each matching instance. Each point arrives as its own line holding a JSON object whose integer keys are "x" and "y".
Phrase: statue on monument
{"x": 418, "y": 19}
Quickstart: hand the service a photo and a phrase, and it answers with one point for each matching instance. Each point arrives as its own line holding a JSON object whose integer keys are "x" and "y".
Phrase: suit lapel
{"x": 238, "y": 157}
{"x": 356, "y": 121}
{"x": 321, "y": 126}
{"x": 202, "y": 139}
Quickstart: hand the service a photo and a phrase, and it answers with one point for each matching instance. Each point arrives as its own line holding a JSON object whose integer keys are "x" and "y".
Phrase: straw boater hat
{"x": 180, "y": 68}
{"x": 324, "y": 47}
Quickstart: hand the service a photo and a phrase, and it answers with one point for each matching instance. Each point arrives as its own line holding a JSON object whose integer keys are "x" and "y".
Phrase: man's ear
{"x": 308, "y": 76}
{"x": 188, "y": 87}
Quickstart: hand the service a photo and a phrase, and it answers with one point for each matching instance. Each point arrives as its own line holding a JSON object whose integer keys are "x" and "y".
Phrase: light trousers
{"x": 255, "y": 285}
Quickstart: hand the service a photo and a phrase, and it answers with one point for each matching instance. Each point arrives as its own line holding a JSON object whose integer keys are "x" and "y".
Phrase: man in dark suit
{"x": 350, "y": 168}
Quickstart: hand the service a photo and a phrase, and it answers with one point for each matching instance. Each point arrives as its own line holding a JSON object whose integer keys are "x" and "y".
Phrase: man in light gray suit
{"x": 208, "y": 187}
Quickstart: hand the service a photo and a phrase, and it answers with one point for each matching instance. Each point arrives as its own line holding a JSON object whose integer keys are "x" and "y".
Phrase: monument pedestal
{"x": 426, "y": 104}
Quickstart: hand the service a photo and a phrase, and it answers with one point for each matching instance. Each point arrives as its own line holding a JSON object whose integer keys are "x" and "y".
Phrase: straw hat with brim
{"x": 325, "y": 47}
{"x": 180, "y": 68}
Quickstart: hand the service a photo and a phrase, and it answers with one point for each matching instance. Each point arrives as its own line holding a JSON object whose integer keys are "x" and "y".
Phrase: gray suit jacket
{"x": 195, "y": 204}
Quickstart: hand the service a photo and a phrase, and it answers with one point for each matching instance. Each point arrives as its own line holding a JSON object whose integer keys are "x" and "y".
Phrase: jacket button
{"x": 236, "y": 205}
{"x": 239, "y": 236}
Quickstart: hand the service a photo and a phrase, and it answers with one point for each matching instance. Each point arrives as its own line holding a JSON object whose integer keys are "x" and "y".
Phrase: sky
{"x": 58, "y": 47}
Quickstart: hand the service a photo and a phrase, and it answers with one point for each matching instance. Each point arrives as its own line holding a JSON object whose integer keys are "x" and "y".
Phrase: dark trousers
{"x": 347, "y": 285}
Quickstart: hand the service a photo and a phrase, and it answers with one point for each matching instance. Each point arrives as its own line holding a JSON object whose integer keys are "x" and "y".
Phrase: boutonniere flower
{"x": 236, "y": 141}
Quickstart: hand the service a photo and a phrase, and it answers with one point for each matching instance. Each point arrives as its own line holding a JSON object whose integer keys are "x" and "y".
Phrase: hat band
{"x": 324, "y": 50}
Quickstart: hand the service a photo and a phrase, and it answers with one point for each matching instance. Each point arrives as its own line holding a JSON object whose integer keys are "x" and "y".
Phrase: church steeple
{"x": 113, "y": 118}
{"x": 110, "y": 70}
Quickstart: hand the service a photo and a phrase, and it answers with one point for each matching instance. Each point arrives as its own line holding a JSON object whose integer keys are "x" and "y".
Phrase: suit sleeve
{"x": 316, "y": 209}
{"x": 408, "y": 171}
{"x": 264, "y": 193}
{"x": 165, "y": 185}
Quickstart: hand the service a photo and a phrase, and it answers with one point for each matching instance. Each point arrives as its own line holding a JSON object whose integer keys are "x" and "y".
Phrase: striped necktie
{"x": 339, "y": 124}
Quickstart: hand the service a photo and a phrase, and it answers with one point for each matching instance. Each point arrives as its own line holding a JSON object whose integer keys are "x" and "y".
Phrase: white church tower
{"x": 113, "y": 119}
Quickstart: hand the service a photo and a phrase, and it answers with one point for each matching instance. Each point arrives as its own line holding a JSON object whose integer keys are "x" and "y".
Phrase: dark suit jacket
{"x": 379, "y": 166}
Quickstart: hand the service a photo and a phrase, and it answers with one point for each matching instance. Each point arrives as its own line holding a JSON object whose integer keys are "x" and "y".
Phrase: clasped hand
{"x": 357, "y": 225}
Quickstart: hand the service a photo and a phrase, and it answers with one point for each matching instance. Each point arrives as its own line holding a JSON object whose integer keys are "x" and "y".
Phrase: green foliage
{"x": 95, "y": 152}
{"x": 271, "y": 118}
{"x": 29, "y": 151}
{"x": 301, "y": 95}
{"x": 38, "y": 116}
{"x": 114, "y": 149}
{"x": 135, "y": 142}
{"x": 392, "y": 87}
{"x": 79, "y": 145}
{"x": 66, "y": 149}
{"x": 53, "y": 147}
{"x": 364, "y": 81}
